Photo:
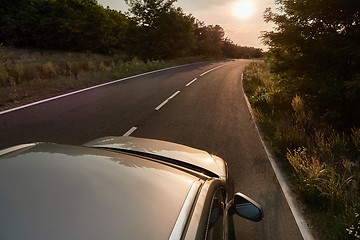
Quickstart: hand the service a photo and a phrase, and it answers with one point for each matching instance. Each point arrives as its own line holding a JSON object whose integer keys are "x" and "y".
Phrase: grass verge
{"x": 27, "y": 75}
{"x": 321, "y": 162}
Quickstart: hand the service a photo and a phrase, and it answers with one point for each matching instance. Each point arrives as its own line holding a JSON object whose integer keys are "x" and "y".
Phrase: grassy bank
{"x": 322, "y": 163}
{"x": 28, "y": 75}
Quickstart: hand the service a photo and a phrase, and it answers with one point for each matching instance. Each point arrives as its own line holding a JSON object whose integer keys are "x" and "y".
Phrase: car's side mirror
{"x": 247, "y": 208}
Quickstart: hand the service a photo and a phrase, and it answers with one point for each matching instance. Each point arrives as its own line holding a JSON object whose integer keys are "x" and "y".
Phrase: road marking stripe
{"x": 299, "y": 218}
{"x": 166, "y": 101}
{"x": 128, "y": 133}
{"x": 87, "y": 89}
{"x": 161, "y": 105}
{"x": 212, "y": 70}
{"x": 191, "y": 82}
{"x": 172, "y": 96}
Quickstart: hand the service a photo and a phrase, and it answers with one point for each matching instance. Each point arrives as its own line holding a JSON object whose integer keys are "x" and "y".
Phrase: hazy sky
{"x": 243, "y": 31}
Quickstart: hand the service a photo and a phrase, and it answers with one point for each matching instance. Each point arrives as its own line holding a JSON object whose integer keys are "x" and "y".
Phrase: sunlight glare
{"x": 244, "y": 9}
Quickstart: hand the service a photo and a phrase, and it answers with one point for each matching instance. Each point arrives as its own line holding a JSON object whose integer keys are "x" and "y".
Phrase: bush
{"x": 322, "y": 162}
{"x": 24, "y": 72}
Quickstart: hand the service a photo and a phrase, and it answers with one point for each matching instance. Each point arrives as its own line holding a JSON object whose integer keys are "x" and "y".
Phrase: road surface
{"x": 200, "y": 105}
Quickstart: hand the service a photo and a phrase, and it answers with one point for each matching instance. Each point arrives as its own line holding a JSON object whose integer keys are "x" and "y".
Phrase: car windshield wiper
{"x": 165, "y": 160}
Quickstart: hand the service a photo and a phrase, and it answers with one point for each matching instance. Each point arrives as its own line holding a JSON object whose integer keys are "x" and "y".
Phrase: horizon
{"x": 242, "y": 31}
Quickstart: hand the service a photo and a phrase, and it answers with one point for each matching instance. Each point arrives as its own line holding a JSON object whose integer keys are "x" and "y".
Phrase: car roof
{"x": 51, "y": 191}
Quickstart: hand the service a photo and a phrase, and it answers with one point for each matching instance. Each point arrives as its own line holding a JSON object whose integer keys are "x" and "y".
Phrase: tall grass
{"x": 27, "y": 75}
{"x": 322, "y": 163}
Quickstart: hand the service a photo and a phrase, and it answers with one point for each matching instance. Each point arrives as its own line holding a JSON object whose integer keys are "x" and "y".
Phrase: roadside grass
{"x": 322, "y": 164}
{"x": 29, "y": 75}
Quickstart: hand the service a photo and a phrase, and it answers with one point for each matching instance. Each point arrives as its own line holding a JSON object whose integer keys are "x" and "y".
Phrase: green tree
{"x": 81, "y": 25}
{"x": 209, "y": 40}
{"x": 115, "y": 28}
{"x": 88, "y": 26}
{"x": 17, "y": 21}
{"x": 146, "y": 12}
{"x": 175, "y": 34}
{"x": 159, "y": 30}
{"x": 232, "y": 50}
{"x": 316, "y": 50}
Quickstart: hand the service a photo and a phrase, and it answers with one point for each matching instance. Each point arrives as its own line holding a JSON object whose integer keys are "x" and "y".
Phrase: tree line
{"x": 150, "y": 30}
{"x": 315, "y": 50}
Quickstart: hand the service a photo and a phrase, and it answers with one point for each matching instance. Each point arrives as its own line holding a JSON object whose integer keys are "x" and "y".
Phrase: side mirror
{"x": 247, "y": 208}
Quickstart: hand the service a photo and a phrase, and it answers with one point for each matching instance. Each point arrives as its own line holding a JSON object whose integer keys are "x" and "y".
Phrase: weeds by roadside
{"x": 27, "y": 75}
{"x": 322, "y": 163}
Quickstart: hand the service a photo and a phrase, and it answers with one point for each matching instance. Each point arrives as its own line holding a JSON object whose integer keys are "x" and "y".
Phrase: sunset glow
{"x": 244, "y": 9}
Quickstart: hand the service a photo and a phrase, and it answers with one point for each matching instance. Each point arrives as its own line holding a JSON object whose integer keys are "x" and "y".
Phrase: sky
{"x": 243, "y": 28}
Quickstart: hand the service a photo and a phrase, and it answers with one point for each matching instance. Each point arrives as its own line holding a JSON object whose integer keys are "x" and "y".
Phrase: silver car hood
{"x": 165, "y": 149}
{"x": 57, "y": 192}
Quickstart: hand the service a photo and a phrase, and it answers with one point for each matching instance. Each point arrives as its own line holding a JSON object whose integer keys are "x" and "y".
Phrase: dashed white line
{"x": 191, "y": 82}
{"x": 172, "y": 96}
{"x": 97, "y": 86}
{"x": 86, "y": 89}
{"x": 161, "y": 105}
{"x": 128, "y": 133}
{"x": 166, "y": 101}
{"x": 212, "y": 70}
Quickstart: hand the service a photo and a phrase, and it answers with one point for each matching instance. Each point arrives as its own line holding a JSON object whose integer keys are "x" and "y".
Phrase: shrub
{"x": 354, "y": 229}
{"x": 323, "y": 163}
{"x": 24, "y": 72}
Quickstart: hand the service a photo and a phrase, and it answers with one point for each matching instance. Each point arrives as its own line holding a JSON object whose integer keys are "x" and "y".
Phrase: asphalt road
{"x": 187, "y": 105}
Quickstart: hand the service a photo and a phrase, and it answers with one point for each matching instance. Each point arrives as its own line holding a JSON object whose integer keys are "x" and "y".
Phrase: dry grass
{"x": 322, "y": 162}
{"x": 27, "y": 75}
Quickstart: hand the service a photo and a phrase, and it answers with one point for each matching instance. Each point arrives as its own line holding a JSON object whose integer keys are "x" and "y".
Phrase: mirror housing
{"x": 247, "y": 208}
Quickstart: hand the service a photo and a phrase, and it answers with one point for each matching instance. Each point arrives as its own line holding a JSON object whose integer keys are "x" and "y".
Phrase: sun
{"x": 244, "y": 9}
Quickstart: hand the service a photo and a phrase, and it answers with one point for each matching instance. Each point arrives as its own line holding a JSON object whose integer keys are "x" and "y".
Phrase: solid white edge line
{"x": 166, "y": 101}
{"x": 87, "y": 89}
{"x": 191, "y": 82}
{"x": 212, "y": 70}
{"x": 128, "y": 133}
{"x": 299, "y": 218}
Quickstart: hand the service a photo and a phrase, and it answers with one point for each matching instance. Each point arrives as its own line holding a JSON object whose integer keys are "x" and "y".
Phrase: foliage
{"x": 24, "y": 72}
{"x": 323, "y": 163}
{"x": 315, "y": 49}
{"x": 159, "y": 30}
{"x": 209, "y": 39}
{"x": 232, "y": 50}
{"x": 80, "y": 25}
{"x": 152, "y": 30}
{"x": 314, "y": 53}
{"x": 354, "y": 230}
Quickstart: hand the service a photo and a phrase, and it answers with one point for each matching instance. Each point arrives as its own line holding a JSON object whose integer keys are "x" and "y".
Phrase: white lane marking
{"x": 166, "y": 101}
{"x": 86, "y": 89}
{"x": 299, "y": 218}
{"x": 212, "y": 70}
{"x": 191, "y": 82}
{"x": 128, "y": 133}
{"x": 172, "y": 96}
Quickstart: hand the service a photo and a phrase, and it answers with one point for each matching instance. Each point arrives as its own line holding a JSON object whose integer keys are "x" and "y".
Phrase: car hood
{"x": 52, "y": 191}
{"x": 165, "y": 149}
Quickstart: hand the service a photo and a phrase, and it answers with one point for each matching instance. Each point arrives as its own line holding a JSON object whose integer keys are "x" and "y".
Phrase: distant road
{"x": 200, "y": 105}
